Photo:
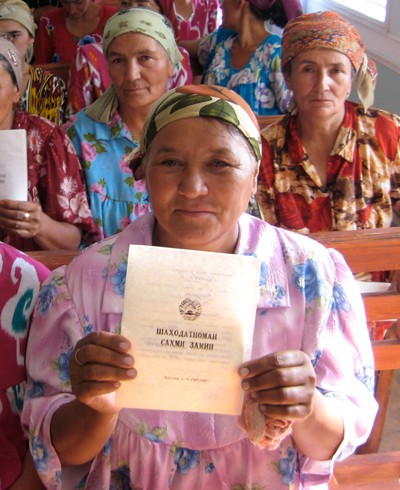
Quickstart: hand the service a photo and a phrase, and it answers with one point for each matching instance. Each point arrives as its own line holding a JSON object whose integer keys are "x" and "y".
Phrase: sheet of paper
{"x": 190, "y": 317}
{"x": 13, "y": 165}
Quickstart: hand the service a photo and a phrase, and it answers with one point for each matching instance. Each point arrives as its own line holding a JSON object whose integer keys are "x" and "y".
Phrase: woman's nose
{"x": 323, "y": 81}
{"x": 192, "y": 184}
{"x": 132, "y": 70}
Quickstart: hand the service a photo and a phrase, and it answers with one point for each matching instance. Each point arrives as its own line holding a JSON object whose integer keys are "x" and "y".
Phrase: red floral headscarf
{"x": 328, "y": 30}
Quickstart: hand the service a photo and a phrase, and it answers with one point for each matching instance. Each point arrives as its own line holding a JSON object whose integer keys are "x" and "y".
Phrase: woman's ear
{"x": 16, "y": 95}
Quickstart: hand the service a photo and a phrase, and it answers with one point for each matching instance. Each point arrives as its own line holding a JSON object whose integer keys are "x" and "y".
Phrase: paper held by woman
{"x": 190, "y": 318}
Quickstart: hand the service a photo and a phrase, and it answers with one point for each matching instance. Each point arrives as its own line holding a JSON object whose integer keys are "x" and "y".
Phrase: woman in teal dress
{"x": 245, "y": 57}
{"x": 140, "y": 49}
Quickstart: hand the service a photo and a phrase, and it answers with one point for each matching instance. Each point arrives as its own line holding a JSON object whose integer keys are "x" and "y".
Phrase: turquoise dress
{"x": 115, "y": 197}
{"x": 260, "y": 82}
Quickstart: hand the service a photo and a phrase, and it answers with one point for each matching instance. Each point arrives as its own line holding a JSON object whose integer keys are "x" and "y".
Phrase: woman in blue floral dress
{"x": 243, "y": 56}
{"x": 141, "y": 52}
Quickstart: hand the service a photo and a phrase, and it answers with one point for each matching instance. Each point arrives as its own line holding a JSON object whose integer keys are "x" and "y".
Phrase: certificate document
{"x": 13, "y": 165}
{"x": 190, "y": 317}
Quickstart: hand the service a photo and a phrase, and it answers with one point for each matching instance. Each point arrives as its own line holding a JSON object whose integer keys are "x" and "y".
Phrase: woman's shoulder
{"x": 33, "y": 122}
{"x": 55, "y": 15}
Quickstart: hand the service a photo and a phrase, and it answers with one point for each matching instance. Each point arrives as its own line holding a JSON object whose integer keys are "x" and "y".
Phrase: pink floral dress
{"x": 308, "y": 300}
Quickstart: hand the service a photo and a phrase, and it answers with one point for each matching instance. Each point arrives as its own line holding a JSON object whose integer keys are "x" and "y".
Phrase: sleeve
{"x": 63, "y": 194}
{"x": 215, "y": 16}
{"x": 55, "y": 329}
{"x": 344, "y": 366}
{"x": 44, "y": 42}
{"x": 53, "y": 99}
{"x": 182, "y": 71}
{"x": 265, "y": 188}
{"x": 278, "y": 84}
{"x": 206, "y": 49}
{"x": 88, "y": 78}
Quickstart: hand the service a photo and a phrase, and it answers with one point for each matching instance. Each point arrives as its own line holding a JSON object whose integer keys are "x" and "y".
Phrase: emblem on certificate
{"x": 190, "y": 309}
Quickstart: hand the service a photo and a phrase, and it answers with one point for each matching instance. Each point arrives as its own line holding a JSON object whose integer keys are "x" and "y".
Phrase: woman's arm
{"x": 27, "y": 219}
{"x": 98, "y": 364}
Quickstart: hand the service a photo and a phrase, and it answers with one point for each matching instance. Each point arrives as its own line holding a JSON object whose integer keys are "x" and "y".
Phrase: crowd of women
{"x": 130, "y": 151}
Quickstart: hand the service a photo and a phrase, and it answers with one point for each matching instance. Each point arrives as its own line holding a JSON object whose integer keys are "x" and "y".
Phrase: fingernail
{"x": 124, "y": 346}
{"x": 245, "y": 385}
{"x": 131, "y": 373}
{"x": 128, "y": 360}
{"x": 244, "y": 372}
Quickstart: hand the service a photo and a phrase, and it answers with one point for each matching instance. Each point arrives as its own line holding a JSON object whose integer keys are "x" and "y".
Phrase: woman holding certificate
{"x": 55, "y": 212}
{"x": 310, "y": 366}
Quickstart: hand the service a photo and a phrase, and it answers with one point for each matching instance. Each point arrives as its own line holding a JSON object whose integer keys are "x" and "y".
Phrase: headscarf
{"x": 143, "y": 21}
{"x": 200, "y": 101}
{"x": 328, "y": 30}
{"x": 7, "y": 49}
{"x": 18, "y": 11}
{"x": 292, "y": 8}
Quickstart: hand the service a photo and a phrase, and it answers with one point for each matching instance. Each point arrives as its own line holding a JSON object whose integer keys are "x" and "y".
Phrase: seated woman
{"x": 311, "y": 367}
{"x": 244, "y": 57}
{"x": 330, "y": 164}
{"x": 89, "y": 76}
{"x": 56, "y": 211}
{"x": 61, "y": 30}
{"x": 140, "y": 49}
{"x": 21, "y": 278}
{"x": 43, "y": 93}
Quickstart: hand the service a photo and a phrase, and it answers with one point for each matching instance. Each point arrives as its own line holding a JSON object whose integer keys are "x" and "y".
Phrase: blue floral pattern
{"x": 306, "y": 278}
{"x": 260, "y": 82}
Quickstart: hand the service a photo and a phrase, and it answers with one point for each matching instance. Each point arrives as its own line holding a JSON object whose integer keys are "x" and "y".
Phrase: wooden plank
{"x": 368, "y": 468}
{"x": 359, "y": 247}
{"x": 382, "y": 306}
{"x": 53, "y": 258}
{"x": 386, "y": 354}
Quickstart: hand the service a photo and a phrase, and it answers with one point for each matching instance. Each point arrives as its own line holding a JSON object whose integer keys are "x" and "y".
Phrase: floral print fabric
{"x": 260, "y": 82}
{"x": 115, "y": 197}
{"x": 89, "y": 76}
{"x": 308, "y": 300}
{"x": 363, "y": 175}
{"x": 205, "y": 19}
{"x": 54, "y": 178}
{"x": 45, "y": 95}
{"x": 55, "y": 44}
{"x": 21, "y": 277}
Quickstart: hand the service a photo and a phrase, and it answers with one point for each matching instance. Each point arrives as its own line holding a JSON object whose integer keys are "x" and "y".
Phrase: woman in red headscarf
{"x": 330, "y": 164}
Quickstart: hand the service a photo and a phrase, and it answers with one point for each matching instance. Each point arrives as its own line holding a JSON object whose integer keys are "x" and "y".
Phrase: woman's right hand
{"x": 99, "y": 363}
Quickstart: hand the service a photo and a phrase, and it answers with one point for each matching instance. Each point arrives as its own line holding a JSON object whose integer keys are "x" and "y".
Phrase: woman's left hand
{"x": 282, "y": 383}
{"x": 22, "y": 218}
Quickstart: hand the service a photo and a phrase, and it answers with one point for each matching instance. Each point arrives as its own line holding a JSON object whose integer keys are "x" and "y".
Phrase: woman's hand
{"x": 99, "y": 363}
{"x": 23, "y": 218}
{"x": 282, "y": 383}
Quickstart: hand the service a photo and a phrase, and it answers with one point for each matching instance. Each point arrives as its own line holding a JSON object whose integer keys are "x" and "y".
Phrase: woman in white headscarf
{"x": 141, "y": 52}
{"x": 43, "y": 93}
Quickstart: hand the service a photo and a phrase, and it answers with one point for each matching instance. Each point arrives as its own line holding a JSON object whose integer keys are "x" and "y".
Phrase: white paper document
{"x": 13, "y": 165}
{"x": 190, "y": 317}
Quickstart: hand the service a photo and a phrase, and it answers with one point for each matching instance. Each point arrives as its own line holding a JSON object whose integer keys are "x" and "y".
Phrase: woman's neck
{"x": 8, "y": 121}
{"x": 184, "y": 8}
{"x": 250, "y": 34}
{"x": 86, "y": 24}
{"x": 134, "y": 119}
{"x": 319, "y": 130}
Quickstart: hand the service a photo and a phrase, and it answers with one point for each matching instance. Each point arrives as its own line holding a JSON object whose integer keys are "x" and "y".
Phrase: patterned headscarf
{"x": 292, "y": 8}
{"x": 18, "y": 11}
{"x": 202, "y": 101}
{"x": 7, "y": 49}
{"x": 143, "y": 21}
{"x": 140, "y": 20}
{"x": 328, "y": 30}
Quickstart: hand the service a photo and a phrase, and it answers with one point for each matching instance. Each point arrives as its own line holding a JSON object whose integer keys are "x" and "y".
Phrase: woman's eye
{"x": 220, "y": 164}
{"x": 169, "y": 163}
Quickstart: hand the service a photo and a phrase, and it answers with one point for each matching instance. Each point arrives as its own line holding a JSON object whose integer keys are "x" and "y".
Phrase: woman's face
{"x": 17, "y": 34}
{"x": 321, "y": 81}
{"x": 76, "y": 8}
{"x": 139, "y": 68}
{"x": 200, "y": 177}
{"x": 9, "y": 95}
{"x": 231, "y": 13}
{"x": 151, "y": 4}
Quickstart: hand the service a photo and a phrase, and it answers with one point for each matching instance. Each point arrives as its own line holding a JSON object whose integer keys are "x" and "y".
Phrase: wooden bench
{"x": 53, "y": 258}
{"x": 373, "y": 250}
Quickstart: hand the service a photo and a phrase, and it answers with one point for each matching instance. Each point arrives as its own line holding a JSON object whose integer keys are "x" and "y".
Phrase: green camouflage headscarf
{"x": 202, "y": 101}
